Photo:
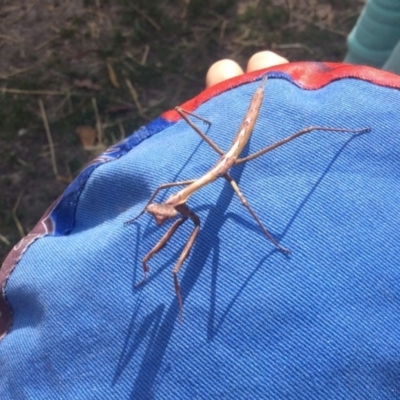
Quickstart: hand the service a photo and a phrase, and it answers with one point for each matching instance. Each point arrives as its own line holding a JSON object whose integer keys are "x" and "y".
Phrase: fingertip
{"x": 221, "y": 71}
{"x": 264, "y": 59}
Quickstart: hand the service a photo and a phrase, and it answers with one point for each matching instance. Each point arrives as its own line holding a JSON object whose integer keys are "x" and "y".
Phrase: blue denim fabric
{"x": 63, "y": 215}
{"x": 321, "y": 323}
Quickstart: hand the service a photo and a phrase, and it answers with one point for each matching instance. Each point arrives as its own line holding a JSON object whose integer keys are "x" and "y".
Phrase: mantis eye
{"x": 161, "y": 212}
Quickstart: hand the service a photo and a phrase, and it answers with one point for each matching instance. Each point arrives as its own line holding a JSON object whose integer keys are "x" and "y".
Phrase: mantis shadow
{"x": 30, "y": 301}
{"x": 160, "y": 329}
{"x": 159, "y": 325}
{"x": 213, "y": 326}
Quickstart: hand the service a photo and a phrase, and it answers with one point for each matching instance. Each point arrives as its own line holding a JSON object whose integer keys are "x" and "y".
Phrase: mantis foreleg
{"x": 159, "y": 246}
{"x": 183, "y": 113}
{"x": 185, "y": 211}
{"x": 161, "y": 187}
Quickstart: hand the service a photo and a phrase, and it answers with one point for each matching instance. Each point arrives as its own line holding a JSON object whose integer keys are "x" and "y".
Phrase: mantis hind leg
{"x": 253, "y": 214}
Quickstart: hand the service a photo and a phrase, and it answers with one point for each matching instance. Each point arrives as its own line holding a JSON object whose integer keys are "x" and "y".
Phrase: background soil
{"x": 105, "y": 67}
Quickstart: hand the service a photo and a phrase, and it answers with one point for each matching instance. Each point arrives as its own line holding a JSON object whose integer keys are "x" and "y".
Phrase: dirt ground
{"x": 77, "y": 75}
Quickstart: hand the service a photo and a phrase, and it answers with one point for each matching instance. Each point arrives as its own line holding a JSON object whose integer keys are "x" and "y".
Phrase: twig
{"x": 185, "y": 8}
{"x": 238, "y": 50}
{"x": 113, "y": 138}
{"x": 122, "y": 130}
{"x": 49, "y": 138}
{"x": 15, "y": 72}
{"x": 4, "y": 240}
{"x": 289, "y": 46}
{"x": 98, "y": 122}
{"x": 46, "y": 42}
{"x": 290, "y": 8}
{"x": 348, "y": 15}
{"x": 61, "y": 105}
{"x": 145, "y": 55}
{"x": 22, "y": 162}
{"x": 112, "y": 75}
{"x": 222, "y": 30}
{"x": 33, "y": 92}
{"x": 69, "y": 176}
{"x": 134, "y": 95}
{"x": 321, "y": 26}
{"x": 145, "y": 16}
{"x": 24, "y": 13}
{"x": 71, "y": 109}
{"x": 9, "y": 38}
{"x": 127, "y": 65}
{"x": 15, "y": 217}
{"x": 246, "y": 43}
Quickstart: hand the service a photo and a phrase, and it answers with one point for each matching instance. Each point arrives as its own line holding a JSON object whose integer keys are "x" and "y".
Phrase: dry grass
{"x": 114, "y": 65}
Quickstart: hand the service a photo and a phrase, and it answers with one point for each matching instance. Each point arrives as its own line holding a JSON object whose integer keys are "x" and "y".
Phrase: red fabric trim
{"x": 308, "y": 75}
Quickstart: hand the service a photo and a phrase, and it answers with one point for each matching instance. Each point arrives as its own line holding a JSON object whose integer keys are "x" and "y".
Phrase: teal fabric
{"x": 393, "y": 62}
{"x": 374, "y": 38}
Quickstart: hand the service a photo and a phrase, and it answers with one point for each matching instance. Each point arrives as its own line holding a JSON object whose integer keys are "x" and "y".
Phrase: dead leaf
{"x": 87, "y": 135}
{"x": 86, "y": 84}
{"x": 112, "y": 75}
{"x": 324, "y": 12}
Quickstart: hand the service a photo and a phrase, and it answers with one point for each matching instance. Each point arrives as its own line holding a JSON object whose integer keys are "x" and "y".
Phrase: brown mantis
{"x": 176, "y": 203}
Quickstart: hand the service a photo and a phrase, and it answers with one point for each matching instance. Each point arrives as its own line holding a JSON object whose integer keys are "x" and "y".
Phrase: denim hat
{"x": 320, "y": 323}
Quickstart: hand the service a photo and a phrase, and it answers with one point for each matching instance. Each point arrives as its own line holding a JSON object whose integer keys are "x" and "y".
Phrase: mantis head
{"x": 161, "y": 212}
